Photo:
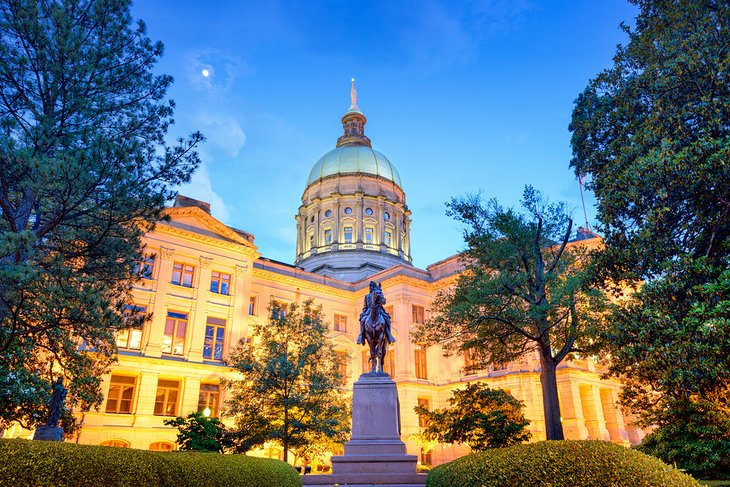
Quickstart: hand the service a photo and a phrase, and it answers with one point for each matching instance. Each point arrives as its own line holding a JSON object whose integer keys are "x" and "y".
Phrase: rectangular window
{"x": 252, "y": 305}
{"x": 209, "y": 398}
{"x": 389, "y": 366}
{"x": 166, "y": 397}
{"x": 278, "y": 310}
{"x": 220, "y": 282}
{"x": 340, "y": 322}
{"x": 369, "y": 232}
{"x": 182, "y": 274}
{"x": 145, "y": 267}
{"x": 348, "y": 234}
{"x": 420, "y": 357}
{"x": 426, "y": 457}
{"x": 131, "y": 338}
{"x": 173, "y": 341}
{"x": 388, "y": 238}
{"x": 343, "y": 358}
{"x": 215, "y": 331}
{"x": 121, "y": 394}
{"x": 425, "y": 403}
{"x": 417, "y": 313}
{"x": 469, "y": 361}
{"x": 328, "y": 236}
{"x": 311, "y": 241}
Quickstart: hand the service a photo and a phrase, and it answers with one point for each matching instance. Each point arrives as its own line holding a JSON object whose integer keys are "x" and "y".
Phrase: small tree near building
{"x": 479, "y": 417}
{"x": 523, "y": 291}
{"x": 290, "y": 391}
{"x": 198, "y": 432}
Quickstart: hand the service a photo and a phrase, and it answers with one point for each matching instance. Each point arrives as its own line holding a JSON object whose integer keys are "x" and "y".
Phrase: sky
{"x": 461, "y": 96}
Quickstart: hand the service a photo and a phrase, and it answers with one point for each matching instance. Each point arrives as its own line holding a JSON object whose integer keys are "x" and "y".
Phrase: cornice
{"x": 302, "y": 283}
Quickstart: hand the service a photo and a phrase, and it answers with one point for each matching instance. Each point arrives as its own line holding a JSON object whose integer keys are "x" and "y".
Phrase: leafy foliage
{"x": 289, "y": 392}
{"x": 479, "y": 417}
{"x": 58, "y": 464}
{"x": 653, "y": 134}
{"x": 200, "y": 433}
{"x": 559, "y": 464}
{"x": 523, "y": 291}
{"x": 84, "y": 168}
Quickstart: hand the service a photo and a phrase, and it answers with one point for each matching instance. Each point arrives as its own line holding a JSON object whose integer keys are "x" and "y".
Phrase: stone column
{"x": 195, "y": 335}
{"x": 156, "y": 327}
{"x": 189, "y": 396}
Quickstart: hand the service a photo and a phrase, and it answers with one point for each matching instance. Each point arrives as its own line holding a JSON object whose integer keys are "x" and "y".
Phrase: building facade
{"x": 206, "y": 284}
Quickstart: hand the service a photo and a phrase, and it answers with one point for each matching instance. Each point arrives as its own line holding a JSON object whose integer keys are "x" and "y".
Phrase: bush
{"x": 45, "y": 463}
{"x": 556, "y": 464}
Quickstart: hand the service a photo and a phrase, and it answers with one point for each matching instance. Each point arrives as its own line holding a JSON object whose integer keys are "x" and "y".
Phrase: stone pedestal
{"x": 375, "y": 454}
{"x": 48, "y": 433}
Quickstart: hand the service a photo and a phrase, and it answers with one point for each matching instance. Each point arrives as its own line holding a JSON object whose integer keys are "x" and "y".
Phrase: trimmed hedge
{"x": 46, "y": 463}
{"x": 558, "y": 464}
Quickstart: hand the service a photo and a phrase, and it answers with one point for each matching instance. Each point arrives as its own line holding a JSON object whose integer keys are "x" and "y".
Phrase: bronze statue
{"x": 375, "y": 327}
{"x": 56, "y": 405}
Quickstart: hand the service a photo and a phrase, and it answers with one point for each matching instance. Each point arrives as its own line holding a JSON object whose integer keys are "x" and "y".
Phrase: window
{"x": 311, "y": 240}
{"x": 421, "y": 372}
{"x": 348, "y": 210}
{"x": 182, "y": 274}
{"x": 387, "y": 239}
{"x": 162, "y": 446}
{"x": 348, "y": 234}
{"x": 145, "y": 267}
{"x": 368, "y": 211}
{"x": 208, "y": 398}
{"x": 343, "y": 358}
{"x": 386, "y": 215}
{"x": 389, "y": 366}
{"x": 469, "y": 361}
{"x": 166, "y": 397}
{"x": 220, "y": 282}
{"x": 252, "y": 305}
{"x": 215, "y": 331}
{"x": 417, "y": 314}
{"x": 340, "y": 322}
{"x": 369, "y": 231}
{"x": 328, "y": 213}
{"x": 115, "y": 443}
{"x": 131, "y": 338}
{"x": 425, "y": 457}
{"x": 121, "y": 394}
{"x": 278, "y": 310}
{"x": 328, "y": 236}
{"x": 425, "y": 403}
{"x": 173, "y": 341}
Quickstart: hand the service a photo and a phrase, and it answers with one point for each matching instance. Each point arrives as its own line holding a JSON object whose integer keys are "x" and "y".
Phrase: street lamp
{"x": 206, "y": 412}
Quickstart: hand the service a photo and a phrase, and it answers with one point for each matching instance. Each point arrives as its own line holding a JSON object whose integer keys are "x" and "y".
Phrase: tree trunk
{"x": 285, "y": 436}
{"x": 551, "y": 406}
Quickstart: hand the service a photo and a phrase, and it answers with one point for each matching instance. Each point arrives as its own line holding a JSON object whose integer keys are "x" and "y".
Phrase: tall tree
{"x": 84, "y": 169}
{"x": 652, "y": 133}
{"x": 479, "y": 417}
{"x": 290, "y": 391}
{"x": 522, "y": 291}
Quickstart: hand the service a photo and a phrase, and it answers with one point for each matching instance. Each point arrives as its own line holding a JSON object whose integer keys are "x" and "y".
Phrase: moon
{"x": 205, "y": 73}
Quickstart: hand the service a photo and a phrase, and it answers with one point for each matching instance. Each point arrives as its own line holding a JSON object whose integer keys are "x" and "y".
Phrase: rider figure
{"x": 366, "y": 309}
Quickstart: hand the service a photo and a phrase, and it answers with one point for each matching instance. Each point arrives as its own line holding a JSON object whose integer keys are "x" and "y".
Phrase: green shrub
{"x": 558, "y": 464}
{"x": 45, "y": 463}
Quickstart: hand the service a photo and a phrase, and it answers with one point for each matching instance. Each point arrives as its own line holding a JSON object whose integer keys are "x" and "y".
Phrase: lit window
{"x": 425, "y": 403}
{"x": 182, "y": 274}
{"x": 121, "y": 394}
{"x": 340, "y": 322}
{"x": 417, "y": 312}
{"x": 215, "y": 331}
{"x": 426, "y": 457}
{"x": 369, "y": 231}
{"x": 328, "y": 236}
{"x": 209, "y": 398}
{"x": 421, "y": 371}
{"x": 173, "y": 341}
{"x": 162, "y": 446}
{"x": 388, "y": 238}
{"x": 343, "y": 358}
{"x": 131, "y": 338}
{"x": 166, "y": 397}
{"x": 145, "y": 267}
{"x": 348, "y": 234}
{"x": 252, "y": 305}
{"x": 220, "y": 282}
{"x": 348, "y": 210}
{"x": 469, "y": 361}
{"x": 115, "y": 443}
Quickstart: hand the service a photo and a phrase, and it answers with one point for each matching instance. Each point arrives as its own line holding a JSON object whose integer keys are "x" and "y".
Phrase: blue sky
{"x": 460, "y": 96}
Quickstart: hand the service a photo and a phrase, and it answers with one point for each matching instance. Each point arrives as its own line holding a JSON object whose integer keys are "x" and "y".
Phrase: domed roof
{"x": 354, "y": 159}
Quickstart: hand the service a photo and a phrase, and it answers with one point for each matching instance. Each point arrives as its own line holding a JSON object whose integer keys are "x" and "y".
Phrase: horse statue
{"x": 374, "y": 322}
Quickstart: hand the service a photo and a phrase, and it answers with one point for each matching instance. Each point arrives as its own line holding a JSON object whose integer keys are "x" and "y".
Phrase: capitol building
{"x": 206, "y": 284}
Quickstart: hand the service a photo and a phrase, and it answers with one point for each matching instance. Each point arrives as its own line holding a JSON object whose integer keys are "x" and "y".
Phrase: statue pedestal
{"x": 375, "y": 454}
{"x": 48, "y": 433}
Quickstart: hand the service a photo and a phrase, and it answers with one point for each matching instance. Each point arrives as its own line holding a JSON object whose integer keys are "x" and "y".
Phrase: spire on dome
{"x": 353, "y": 123}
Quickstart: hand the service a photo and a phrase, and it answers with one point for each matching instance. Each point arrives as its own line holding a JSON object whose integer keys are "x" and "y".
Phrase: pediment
{"x": 196, "y": 222}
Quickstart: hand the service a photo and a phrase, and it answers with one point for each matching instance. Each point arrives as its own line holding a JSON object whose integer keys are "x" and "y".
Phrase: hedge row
{"x": 559, "y": 464}
{"x": 45, "y": 463}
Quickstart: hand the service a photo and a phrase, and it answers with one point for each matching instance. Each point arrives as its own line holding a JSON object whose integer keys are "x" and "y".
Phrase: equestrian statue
{"x": 375, "y": 327}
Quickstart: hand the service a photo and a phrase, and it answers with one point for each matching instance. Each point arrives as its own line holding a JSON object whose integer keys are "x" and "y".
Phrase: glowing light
{"x": 205, "y": 73}
{"x": 206, "y": 412}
